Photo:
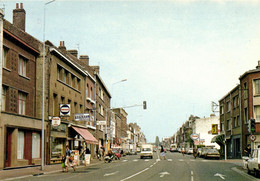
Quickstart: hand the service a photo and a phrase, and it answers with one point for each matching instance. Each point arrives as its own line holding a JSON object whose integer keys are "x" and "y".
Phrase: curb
{"x": 249, "y": 177}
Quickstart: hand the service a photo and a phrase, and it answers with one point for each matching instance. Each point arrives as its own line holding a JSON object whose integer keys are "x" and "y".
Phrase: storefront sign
{"x": 194, "y": 136}
{"x": 82, "y": 117}
{"x": 64, "y": 109}
{"x": 55, "y": 121}
{"x": 101, "y": 122}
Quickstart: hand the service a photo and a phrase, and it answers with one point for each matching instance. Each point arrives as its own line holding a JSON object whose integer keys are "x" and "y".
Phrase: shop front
{"x": 58, "y": 140}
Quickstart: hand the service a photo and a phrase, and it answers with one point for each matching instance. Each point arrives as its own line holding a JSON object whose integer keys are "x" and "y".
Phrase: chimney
{"x": 258, "y": 66}
{"x": 73, "y": 52}
{"x": 62, "y": 46}
{"x": 96, "y": 69}
{"x": 84, "y": 59}
{"x": 19, "y": 16}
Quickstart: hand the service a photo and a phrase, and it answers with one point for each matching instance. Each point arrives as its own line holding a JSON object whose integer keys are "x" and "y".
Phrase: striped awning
{"x": 88, "y": 137}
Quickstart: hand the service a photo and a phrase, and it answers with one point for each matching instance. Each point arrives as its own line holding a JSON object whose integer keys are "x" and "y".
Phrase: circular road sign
{"x": 252, "y": 138}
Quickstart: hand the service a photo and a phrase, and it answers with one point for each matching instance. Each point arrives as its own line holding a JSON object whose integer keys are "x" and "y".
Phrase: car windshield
{"x": 146, "y": 149}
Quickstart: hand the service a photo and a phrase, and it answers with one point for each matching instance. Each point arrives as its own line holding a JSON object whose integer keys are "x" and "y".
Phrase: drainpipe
{"x": 240, "y": 120}
{"x": 2, "y": 136}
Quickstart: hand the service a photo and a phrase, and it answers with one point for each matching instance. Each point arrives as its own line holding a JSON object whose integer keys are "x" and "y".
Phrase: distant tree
{"x": 157, "y": 141}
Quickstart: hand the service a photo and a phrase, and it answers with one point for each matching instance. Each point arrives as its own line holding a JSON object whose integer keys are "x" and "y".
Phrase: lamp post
{"x": 111, "y": 116}
{"x": 43, "y": 87}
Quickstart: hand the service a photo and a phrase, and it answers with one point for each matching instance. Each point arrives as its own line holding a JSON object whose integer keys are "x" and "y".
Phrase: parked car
{"x": 203, "y": 151}
{"x": 199, "y": 151}
{"x": 133, "y": 152}
{"x": 253, "y": 162}
{"x": 212, "y": 153}
{"x": 189, "y": 150}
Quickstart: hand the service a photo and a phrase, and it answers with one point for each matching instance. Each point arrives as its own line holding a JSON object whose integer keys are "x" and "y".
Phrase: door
{"x": 9, "y": 132}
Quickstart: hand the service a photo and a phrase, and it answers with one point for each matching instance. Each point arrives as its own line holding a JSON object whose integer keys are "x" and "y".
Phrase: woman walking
{"x": 68, "y": 161}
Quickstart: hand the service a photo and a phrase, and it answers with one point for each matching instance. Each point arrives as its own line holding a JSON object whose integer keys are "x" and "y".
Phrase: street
{"x": 175, "y": 167}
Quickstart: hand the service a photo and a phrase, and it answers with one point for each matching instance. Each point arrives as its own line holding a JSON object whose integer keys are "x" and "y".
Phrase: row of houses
{"x": 236, "y": 109}
{"x": 54, "y": 90}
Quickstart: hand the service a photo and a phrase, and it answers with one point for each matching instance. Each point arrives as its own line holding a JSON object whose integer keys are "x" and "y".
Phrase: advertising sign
{"x": 64, "y": 110}
{"x": 55, "y": 121}
{"x": 194, "y": 136}
{"x": 82, "y": 117}
{"x": 214, "y": 128}
{"x": 252, "y": 138}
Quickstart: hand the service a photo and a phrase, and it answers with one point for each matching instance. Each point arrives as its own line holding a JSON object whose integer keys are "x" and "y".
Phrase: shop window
{"x": 36, "y": 145}
{"x": 56, "y": 147}
{"x": 20, "y": 145}
{"x": 22, "y": 66}
{"x": 22, "y": 102}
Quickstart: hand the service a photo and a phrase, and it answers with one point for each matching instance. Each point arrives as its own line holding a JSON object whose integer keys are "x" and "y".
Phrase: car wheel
{"x": 141, "y": 157}
{"x": 151, "y": 157}
{"x": 248, "y": 171}
{"x": 256, "y": 173}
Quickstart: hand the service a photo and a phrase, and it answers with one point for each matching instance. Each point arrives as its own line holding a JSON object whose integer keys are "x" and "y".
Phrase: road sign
{"x": 252, "y": 137}
{"x": 194, "y": 136}
{"x": 64, "y": 109}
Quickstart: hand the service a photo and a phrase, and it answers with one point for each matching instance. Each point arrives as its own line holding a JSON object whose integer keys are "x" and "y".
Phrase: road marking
{"x": 134, "y": 174}
{"x": 181, "y": 160}
{"x": 170, "y": 160}
{"x": 124, "y": 160}
{"x": 192, "y": 160}
{"x": 151, "y": 166}
{"x": 108, "y": 174}
{"x": 220, "y": 175}
{"x": 135, "y": 160}
{"x": 158, "y": 160}
{"x": 191, "y": 173}
{"x": 146, "y": 160}
{"x": 163, "y": 173}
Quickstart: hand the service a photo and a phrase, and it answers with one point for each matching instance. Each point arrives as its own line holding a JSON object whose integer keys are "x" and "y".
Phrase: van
{"x": 146, "y": 151}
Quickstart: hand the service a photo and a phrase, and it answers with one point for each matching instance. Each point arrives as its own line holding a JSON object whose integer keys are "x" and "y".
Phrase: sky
{"x": 177, "y": 55}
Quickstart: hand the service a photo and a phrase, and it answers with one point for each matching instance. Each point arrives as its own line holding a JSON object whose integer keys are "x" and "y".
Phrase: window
{"x": 73, "y": 81}
{"x": 62, "y": 100}
{"x": 257, "y": 113}
{"x": 4, "y": 56}
{"x": 235, "y": 122}
{"x": 35, "y": 145}
{"x": 75, "y": 107}
{"x": 59, "y": 73}
{"x": 222, "y": 127}
{"x": 245, "y": 115}
{"x": 221, "y": 109}
{"x": 4, "y": 91}
{"x": 66, "y": 77}
{"x": 229, "y": 124}
{"x": 20, "y": 144}
{"x": 78, "y": 82}
{"x": 257, "y": 86}
{"x": 245, "y": 90}
{"x": 238, "y": 121}
{"x": 228, "y": 106}
{"x": 22, "y": 66}
{"x": 22, "y": 102}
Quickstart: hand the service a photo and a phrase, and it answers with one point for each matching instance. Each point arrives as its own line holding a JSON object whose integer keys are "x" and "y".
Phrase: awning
{"x": 89, "y": 138}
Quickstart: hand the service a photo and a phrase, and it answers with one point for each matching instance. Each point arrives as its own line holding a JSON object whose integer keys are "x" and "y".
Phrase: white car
{"x": 253, "y": 163}
{"x": 146, "y": 151}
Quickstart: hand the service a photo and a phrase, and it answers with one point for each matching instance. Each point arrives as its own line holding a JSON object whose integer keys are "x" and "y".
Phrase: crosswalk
{"x": 157, "y": 160}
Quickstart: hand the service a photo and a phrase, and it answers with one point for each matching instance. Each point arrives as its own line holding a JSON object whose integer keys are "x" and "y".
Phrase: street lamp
{"x": 111, "y": 116}
{"x": 43, "y": 87}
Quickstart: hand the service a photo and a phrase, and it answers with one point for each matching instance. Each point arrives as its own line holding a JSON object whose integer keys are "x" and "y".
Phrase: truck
{"x": 146, "y": 151}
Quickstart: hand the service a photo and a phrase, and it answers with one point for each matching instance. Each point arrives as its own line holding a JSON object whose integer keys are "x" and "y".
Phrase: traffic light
{"x": 252, "y": 123}
{"x": 144, "y": 105}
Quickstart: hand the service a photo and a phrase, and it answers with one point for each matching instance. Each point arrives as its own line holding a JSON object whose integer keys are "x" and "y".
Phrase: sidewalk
{"x": 16, "y": 173}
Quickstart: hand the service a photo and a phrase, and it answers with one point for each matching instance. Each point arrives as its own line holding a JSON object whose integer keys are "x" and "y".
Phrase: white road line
{"x": 151, "y": 166}
{"x": 191, "y": 173}
{"x": 146, "y": 160}
{"x": 135, "y": 174}
{"x": 124, "y": 160}
{"x": 181, "y": 160}
{"x": 108, "y": 174}
{"x": 135, "y": 160}
{"x": 169, "y": 160}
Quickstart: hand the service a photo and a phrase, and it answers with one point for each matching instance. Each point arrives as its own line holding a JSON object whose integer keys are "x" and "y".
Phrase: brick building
{"x": 20, "y": 123}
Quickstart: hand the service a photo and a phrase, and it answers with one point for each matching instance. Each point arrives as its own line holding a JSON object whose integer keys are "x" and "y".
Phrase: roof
{"x": 249, "y": 72}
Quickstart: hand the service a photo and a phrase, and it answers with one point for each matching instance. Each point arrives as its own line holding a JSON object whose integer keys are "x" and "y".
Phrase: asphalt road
{"x": 132, "y": 168}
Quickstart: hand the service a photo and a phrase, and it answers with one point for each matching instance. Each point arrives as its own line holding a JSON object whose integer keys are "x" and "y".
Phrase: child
{"x": 63, "y": 158}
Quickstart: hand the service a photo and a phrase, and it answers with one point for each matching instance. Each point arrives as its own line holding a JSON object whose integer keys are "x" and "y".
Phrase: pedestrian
{"x": 195, "y": 152}
{"x": 63, "y": 166}
{"x": 69, "y": 159}
{"x": 183, "y": 151}
{"x": 248, "y": 150}
{"x": 162, "y": 153}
